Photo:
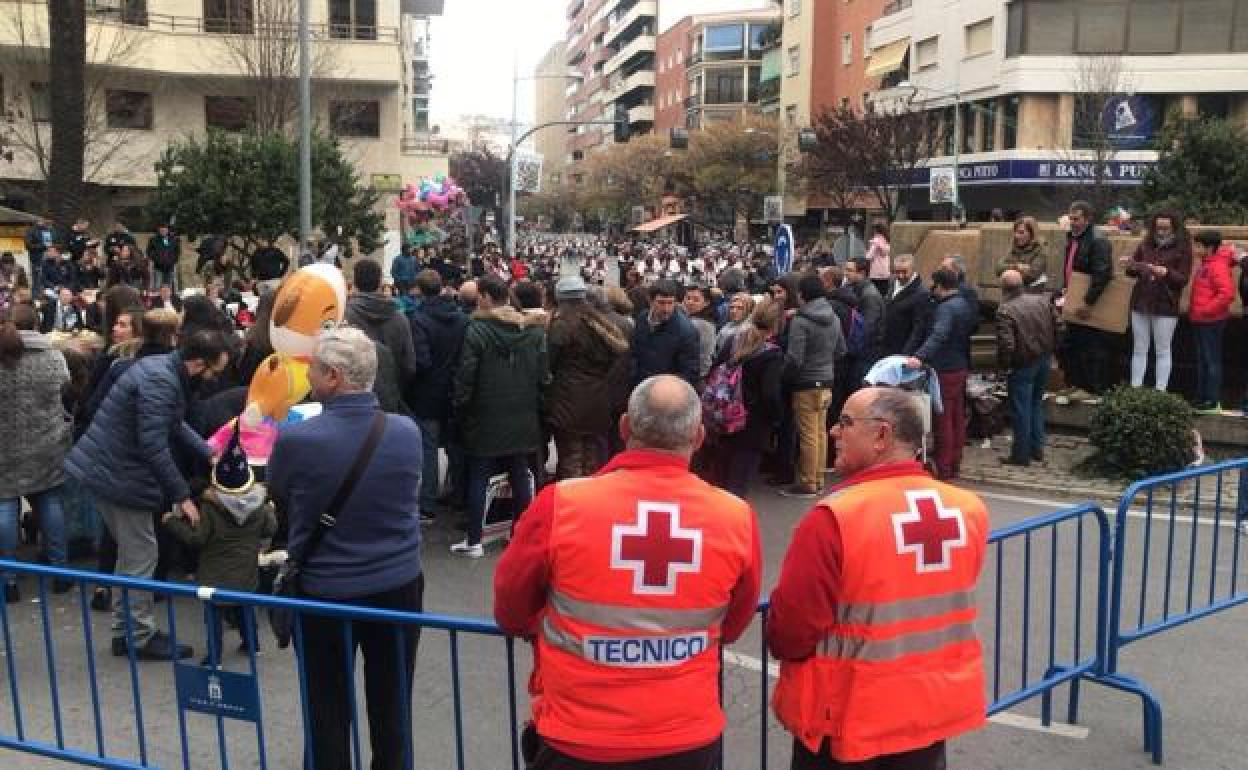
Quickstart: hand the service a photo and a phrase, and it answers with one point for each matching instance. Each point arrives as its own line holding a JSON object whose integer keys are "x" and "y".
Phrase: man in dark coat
{"x": 163, "y": 252}
{"x": 907, "y": 305}
{"x": 378, "y": 316}
{"x": 871, "y": 308}
{"x": 119, "y": 237}
{"x": 126, "y": 461}
{"x": 437, "y": 326}
{"x": 38, "y": 238}
{"x": 502, "y": 373}
{"x": 1087, "y": 350}
{"x": 664, "y": 341}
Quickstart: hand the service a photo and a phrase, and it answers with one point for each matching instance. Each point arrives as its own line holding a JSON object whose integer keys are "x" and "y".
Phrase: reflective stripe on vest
{"x": 651, "y": 619}
{"x": 860, "y": 648}
{"x": 612, "y": 650}
{"x": 872, "y": 613}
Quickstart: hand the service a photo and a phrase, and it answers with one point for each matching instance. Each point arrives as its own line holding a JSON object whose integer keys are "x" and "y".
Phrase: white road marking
{"x": 1006, "y": 719}
{"x": 1061, "y": 729}
{"x": 1228, "y": 521}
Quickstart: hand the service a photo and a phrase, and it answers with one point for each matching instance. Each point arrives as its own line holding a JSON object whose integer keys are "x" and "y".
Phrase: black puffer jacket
{"x": 438, "y": 327}
{"x": 584, "y": 347}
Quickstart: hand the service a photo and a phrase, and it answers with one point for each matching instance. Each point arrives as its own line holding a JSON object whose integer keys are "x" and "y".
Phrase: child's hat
{"x": 232, "y": 473}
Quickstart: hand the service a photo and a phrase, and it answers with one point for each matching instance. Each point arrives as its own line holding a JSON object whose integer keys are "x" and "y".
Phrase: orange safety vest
{"x": 901, "y": 668}
{"x": 643, "y": 564}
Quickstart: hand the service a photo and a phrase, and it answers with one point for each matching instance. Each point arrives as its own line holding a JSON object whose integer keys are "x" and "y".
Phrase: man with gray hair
{"x": 628, "y": 583}
{"x": 877, "y": 594}
{"x": 369, "y": 556}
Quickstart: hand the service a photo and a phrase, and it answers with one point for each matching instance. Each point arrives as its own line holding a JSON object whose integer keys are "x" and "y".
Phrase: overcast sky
{"x": 474, "y": 43}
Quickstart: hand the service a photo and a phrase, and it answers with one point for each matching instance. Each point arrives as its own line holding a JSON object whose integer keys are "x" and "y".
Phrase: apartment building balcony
{"x": 192, "y": 46}
{"x": 640, "y": 79}
{"x": 643, "y": 113}
{"x": 643, "y": 12}
{"x": 423, "y": 146}
{"x": 643, "y": 44}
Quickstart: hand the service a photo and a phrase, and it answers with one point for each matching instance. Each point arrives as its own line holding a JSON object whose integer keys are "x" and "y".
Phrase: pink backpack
{"x": 723, "y": 401}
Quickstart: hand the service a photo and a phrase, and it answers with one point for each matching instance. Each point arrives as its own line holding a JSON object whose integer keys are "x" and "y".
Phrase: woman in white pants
{"x": 1161, "y": 265}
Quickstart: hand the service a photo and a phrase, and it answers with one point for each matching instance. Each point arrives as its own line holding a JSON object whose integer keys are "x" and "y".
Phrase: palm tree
{"x": 67, "y": 38}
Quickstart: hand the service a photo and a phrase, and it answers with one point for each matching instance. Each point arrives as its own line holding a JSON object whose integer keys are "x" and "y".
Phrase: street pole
{"x": 511, "y": 157}
{"x": 305, "y": 132}
{"x": 957, "y": 149}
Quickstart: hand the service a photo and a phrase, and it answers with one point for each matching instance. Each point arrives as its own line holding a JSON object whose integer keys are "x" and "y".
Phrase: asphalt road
{"x": 1196, "y": 670}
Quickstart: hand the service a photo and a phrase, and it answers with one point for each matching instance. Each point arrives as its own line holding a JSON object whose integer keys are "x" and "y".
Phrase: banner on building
{"x": 942, "y": 185}
{"x": 528, "y": 172}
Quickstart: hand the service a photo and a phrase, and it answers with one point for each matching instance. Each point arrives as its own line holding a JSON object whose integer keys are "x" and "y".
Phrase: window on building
{"x": 353, "y": 19}
{"x": 128, "y": 109}
{"x": 229, "y": 113}
{"x": 1049, "y": 28}
{"x": 724, "y": 41}
{"x": 1009, "y": 116}
{"x": 355, "y": 118}
{"x": 756, "y": 76}
{"x": 232, "y": 17}
{"x": 725, "y": 86}
{"x": 844, "y": 102}
{"x": 1206, "y": 25}
{"x": 988, "y": 110}
{"x": 979, "y": 38}
{"x": 420, "y": 114}
{"x": 1153, "y": 26}
{"x": 758, "y": 33}
{"x": 795, "y": 59}
{"x": 40, "y": 103}
{"x": 866, "y": 101}
{"x": 1102, "y": 27}
{"x": 1214, "y": 105}
{"x": 795, "y": 7}
{"x": 927, "y": 52}
{"x": 847, "y": 48}
{"x": 790, "y": 116}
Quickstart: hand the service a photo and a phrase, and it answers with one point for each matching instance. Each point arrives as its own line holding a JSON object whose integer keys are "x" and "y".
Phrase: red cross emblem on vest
{"x": 657, "y": 549}
{"x": 929, "y": 530}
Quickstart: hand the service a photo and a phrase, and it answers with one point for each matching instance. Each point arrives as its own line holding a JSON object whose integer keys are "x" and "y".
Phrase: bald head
{"x": 664, "y": 413}
{"x": 468, "y": 291}
{"x": 1011, "y": 280}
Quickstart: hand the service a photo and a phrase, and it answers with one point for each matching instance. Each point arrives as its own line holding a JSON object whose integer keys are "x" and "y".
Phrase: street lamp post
{"x": 305, "y": 131}
{"x": 515, "y": 141}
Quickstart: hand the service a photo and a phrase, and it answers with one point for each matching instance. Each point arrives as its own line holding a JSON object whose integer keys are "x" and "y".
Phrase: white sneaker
{"x": 471, "y": 551}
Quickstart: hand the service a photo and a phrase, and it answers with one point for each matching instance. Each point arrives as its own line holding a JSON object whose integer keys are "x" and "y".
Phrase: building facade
{"x": 721, "y": 68}
{"x": 1050, "y": 96}
{"x": 551, "y": 105}
{"x": 171, "y": 68}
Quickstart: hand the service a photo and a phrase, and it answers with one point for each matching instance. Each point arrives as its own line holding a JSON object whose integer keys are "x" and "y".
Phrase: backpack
{"x": 723, "y": 400}
{"x": 856, "y": 334}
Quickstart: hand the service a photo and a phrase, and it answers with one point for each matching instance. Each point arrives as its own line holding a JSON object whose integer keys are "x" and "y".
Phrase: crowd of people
{"x": 648, "y": 366}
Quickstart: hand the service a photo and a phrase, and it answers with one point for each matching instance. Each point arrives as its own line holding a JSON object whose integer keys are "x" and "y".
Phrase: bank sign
{"x": 1019, "y": 171}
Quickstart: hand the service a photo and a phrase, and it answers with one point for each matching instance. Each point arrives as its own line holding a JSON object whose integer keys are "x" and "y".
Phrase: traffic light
{"x": 621, "y": 123}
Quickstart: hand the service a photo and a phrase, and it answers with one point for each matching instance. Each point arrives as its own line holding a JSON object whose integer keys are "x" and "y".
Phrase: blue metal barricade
{"x": 1177, "y": 558}
{"x": 74, "y": 698}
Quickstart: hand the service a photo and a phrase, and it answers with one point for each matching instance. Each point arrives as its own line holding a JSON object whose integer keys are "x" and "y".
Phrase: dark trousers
{"x": 1208, "y": 362}
{"x": 1026, "y": 391}
{"x": 232, "y": 616}
{"x": 480, "y": 469}
{"x": 733, "y": 466}
{"x": 951, "y": 424}
{"x": 930, "y": 758}
{"x": 540, "y": 756}
{"x": 389, "y": 660}
{"x": 1087, "y": 353}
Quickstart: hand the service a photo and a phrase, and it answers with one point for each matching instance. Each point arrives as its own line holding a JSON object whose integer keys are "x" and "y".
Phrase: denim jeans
{"x": 480, "y": 469}
{"x": 1208, "y": 361}
{"x": 1026, "y": 389}
{"x": 47, "y": 506}
{"x": 430, "y": 472}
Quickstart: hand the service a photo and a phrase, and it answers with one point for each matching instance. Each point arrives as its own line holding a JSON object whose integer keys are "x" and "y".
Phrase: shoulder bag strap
{"x": 329, "y": 517}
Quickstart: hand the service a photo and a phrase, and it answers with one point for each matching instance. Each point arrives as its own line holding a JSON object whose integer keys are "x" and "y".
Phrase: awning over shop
{"x": 887, "y": 58}
{"x": 659, "y": 224}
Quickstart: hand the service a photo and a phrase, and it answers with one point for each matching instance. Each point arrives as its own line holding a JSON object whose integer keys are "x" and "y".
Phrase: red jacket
{"x": 557, "y": 566}
{"x": 1212, "y": 290}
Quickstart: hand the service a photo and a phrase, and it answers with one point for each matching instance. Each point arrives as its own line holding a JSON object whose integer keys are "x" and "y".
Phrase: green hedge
{"x": 1140, "y": 432}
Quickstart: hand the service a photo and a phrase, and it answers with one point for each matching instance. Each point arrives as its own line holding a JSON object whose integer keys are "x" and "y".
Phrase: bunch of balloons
{"x": 1119, "y": 218}
{"x": 431, "y": 199}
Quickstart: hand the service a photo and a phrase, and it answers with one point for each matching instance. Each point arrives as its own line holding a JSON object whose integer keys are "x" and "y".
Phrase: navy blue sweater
{"x": 375, "y": 545}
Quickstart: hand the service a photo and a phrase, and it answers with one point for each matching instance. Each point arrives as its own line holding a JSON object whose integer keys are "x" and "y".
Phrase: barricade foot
{"x": 1151, "y": 706}
{"x": 1072, "y": 707}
